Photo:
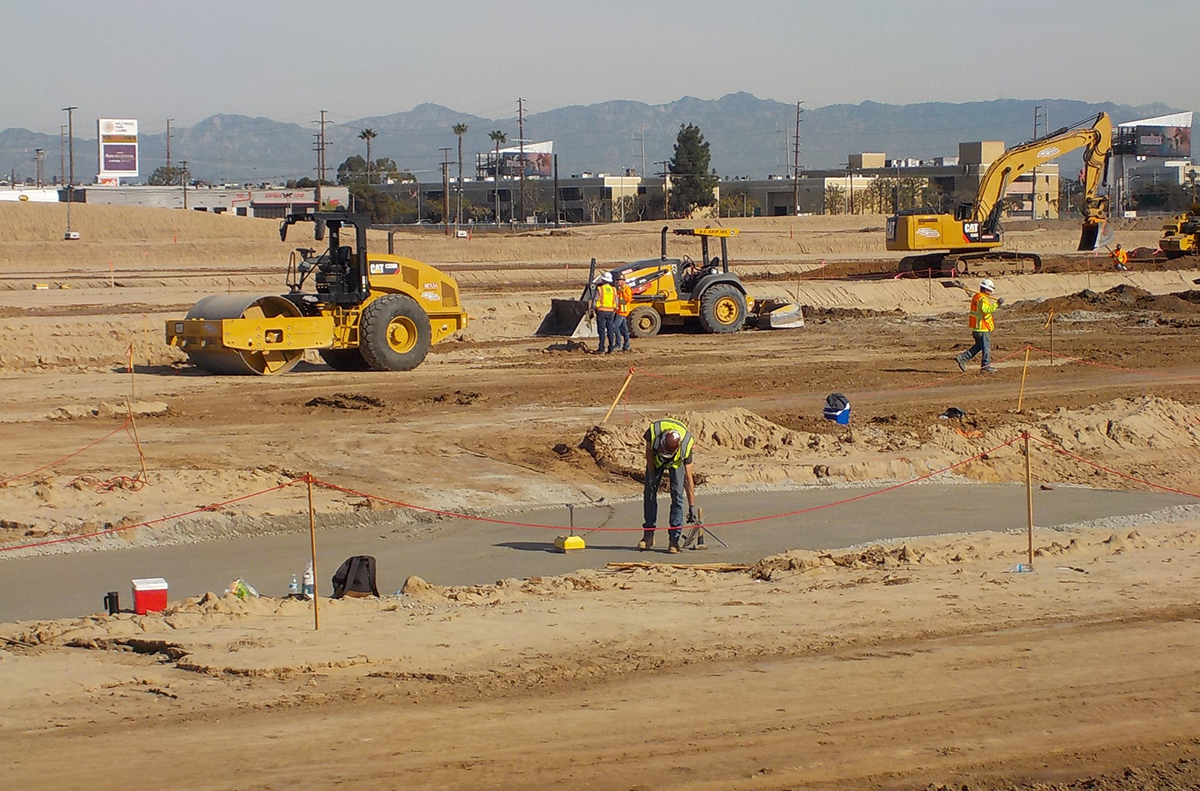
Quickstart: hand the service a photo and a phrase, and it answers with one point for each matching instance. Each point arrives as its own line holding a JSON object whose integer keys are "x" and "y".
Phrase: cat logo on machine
{"x": 970, "y": 228}
{"x": 430, "y": 296}
{"x": 1048, "y": 152}
{"x": 929, "y": 233}
{"x": 384, "y": 267}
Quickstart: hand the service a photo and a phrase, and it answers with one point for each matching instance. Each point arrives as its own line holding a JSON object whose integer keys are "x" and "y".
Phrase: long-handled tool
{"x": 694, "y": 538}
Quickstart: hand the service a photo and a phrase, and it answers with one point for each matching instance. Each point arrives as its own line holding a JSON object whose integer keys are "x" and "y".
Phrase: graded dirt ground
{"x": 906, "y": 670}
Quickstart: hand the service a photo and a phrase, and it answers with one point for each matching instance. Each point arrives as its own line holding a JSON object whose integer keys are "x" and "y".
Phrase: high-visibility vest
{"x": 624, "y": 300}
{"x": 1120, "y": 256}
{"x": 685, "y": 444}
{"x": 606, "y": 297}
{"x": 982, "y": 308}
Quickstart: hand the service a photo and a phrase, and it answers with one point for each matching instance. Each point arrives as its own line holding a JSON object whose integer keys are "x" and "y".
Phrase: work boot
{"x": 962, "y": 364}
{"x": 987, "y": 369}
{"x": 673, "y": 546}
{"x": 647, "y": 540}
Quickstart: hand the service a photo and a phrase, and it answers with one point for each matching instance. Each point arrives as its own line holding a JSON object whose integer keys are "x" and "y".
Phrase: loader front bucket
{"x": 569, "y": 317}
{"x": 776, "y": 314}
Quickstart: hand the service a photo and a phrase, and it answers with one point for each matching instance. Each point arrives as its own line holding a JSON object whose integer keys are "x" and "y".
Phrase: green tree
{"x": 368, "y": 135}
{"x": 459, "y": 129}
{"x": 165, "y": 176}
{"x": 835, "y": 199}
{"x": 693, "y": 180}
{"x": 738, "y": 204}
{"x": 497, "y": 137}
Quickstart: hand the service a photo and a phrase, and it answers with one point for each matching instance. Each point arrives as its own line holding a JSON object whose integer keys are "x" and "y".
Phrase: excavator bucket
{"x": 1095, "y": 234}
{"x": 776, "y": 314}
{"x": 569, "y": 317}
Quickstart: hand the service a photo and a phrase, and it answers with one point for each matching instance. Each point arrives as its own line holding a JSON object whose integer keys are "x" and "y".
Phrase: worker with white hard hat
{"x": 981, "y": 324}
{"x": 606, "y": 312}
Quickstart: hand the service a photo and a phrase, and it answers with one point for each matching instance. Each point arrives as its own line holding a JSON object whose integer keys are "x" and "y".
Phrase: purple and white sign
{"x": 118, "y": 148}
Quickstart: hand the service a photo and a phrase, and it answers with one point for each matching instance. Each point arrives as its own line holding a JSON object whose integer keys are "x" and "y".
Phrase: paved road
{"x": 465, "y": 552}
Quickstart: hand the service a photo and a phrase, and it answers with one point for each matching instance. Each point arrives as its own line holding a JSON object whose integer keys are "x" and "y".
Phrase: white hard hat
{"x": 987, "y": 285}
{"x": 606, "y": 277}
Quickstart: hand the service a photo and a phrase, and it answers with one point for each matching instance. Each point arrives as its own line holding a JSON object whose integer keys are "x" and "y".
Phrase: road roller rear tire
{"x": 394, "y": 333}
{"x": 344, "y": 359}
{"x": 239, "y": 361}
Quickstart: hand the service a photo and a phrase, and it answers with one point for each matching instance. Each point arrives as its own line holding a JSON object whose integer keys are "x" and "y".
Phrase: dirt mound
{"x": 1118, "y": 298}
{"x": 347, "y": 401}
{"x": 820, "y": 314}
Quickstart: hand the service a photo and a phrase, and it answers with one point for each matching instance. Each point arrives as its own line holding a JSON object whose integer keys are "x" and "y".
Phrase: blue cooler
{"x": 837, "y": 408}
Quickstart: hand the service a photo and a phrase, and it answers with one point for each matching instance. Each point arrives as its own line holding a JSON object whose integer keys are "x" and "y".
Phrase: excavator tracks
{"x": 995, "y": 263}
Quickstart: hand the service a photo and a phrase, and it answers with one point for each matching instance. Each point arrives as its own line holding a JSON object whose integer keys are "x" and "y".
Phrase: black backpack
{"x": 355, "y": 576}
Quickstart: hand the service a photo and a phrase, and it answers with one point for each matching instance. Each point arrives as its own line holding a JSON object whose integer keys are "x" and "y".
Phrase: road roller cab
{"x": 364, "y": 311}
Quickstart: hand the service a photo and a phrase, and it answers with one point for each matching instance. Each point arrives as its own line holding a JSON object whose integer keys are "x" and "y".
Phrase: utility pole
{"x": 446, "y": 188}
{"x": 796, "y": 162}
{"x": 1039, "y": 119}
{"x": 556, "y": 193}
{"x": 169, "y": 120}
{"x": 641, "y": 138}
{"x": 183, "y": 178}
{"x": 62, "y": 154}
{"x": 521, "y": 143}
{"x": 320, "y": 148}
{"x": 70, "y": 111}
{"x": 666, "y": 202}
{"x": 38, "y": 154}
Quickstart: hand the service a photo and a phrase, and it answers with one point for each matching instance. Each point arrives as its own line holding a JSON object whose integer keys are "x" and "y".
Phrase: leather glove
{"x": 691, "y": 515}
{"x": 999, "y": 300}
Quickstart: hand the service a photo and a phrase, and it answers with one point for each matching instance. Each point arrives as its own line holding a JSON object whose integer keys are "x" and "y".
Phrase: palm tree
{"x": 498, "y": 137}
{"x": 460, "y": 130}
{"x": 368, "y": 134}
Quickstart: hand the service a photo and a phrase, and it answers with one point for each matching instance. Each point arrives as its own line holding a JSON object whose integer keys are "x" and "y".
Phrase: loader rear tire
{"x": 722, "y": 309}
{"x": 644, "y": 322}
{"x": 394, "y": 333}
{"x": 344, "y": 359}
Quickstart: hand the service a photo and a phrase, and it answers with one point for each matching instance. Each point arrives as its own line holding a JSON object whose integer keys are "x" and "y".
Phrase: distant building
{"x": 271, "y": 202}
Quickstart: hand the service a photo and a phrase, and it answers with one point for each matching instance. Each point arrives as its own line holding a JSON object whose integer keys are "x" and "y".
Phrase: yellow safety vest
{"x": 982, "y": 308}
{"x": 606, "y": 297}
{"x": 685, "y": 445}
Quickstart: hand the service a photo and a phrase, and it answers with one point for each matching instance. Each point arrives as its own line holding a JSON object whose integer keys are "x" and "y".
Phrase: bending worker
{"x": 1120, "y": 258}
{"x": 606, "y": 311}
{"x": 981, "y": 323}
{"x": 668, "y": 452}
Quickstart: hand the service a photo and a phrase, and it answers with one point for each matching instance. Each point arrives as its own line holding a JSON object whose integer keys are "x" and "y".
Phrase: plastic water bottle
{"x": 294, "y": 587}
{"x": 310, "y": 586}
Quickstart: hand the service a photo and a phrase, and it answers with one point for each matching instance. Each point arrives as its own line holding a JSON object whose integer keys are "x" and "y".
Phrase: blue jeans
{"x": 622, "y": 326}
{"x": 650, "y": 500}
{"x": 607, "y": 330}
{"x": 983, "y": 343}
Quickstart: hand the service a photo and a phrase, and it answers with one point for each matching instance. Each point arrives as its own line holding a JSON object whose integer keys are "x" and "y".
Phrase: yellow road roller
{"x": 360, "y": 311}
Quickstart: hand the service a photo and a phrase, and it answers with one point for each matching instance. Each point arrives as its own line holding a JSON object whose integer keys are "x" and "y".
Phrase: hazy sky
{"x": 285, "y": 60}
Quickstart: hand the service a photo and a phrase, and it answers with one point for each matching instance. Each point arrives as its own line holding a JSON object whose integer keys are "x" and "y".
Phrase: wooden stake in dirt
{"x": 1024, "y": 373}
{"x": 132, "y": 422}
{"x": 617, "y": 400}
{"x": 312, "y": 538}
{"x": 1029, "y": 499}
{"x": 1050, "y": 325}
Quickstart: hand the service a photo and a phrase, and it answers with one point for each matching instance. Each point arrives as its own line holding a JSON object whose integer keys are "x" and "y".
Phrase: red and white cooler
{"x": 149, "y": 595}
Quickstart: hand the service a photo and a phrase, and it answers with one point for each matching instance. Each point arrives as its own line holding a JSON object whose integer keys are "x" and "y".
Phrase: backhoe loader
{"x": 364, "y": 312}
{"x": 677, "y": 291}
{"x": 966, "y": 242}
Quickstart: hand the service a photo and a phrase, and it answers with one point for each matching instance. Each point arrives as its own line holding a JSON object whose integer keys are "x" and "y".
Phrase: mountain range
{"x": 748, "y": 136}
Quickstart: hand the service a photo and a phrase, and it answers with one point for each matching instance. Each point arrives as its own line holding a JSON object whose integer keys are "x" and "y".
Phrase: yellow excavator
{"x": 363, "y": 312}
{"x": 966, "y": 242}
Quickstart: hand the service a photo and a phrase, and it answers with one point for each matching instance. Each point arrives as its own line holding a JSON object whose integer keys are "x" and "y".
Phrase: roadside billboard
{"x": 1165, "y": 137}
{"x": 538, "y": 161}
{"x": 118, "y": 148}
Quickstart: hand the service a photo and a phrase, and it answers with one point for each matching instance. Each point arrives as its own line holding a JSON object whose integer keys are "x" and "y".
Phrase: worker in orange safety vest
{"x": 624, "y": 305}
{"x": 981, "y": 324}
